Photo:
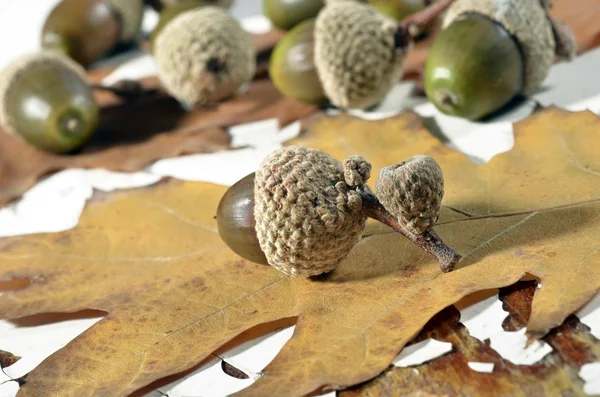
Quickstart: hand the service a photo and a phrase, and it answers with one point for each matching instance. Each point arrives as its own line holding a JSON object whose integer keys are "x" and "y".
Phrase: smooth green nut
{"x": 285, "y": 14}
{"x": 46, "y": 100}
{"x": 398, "y": 9}
{"x": 292, "y": 67}
{"x": 473, "y": 68}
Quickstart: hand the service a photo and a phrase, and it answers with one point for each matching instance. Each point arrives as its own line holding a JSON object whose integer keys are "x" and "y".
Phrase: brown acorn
{"x": 303, "y": 211}
{"x": 87, "y": 30}
{"x": 46, "y": 100}
{"x": 160, "y": 5}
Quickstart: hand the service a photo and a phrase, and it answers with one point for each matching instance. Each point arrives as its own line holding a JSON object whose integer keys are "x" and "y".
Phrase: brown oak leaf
{"x": 153, "y": 260}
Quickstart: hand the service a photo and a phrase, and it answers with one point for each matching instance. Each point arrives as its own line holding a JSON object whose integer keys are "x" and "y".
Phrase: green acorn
{"x": 285, "y": 14}
{"x": 292, "y": 67}
{"x": 46, "y": 100}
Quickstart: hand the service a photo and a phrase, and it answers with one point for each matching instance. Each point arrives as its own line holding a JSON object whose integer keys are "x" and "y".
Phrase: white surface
{"x": 55, "y": 204}
{"x": 484, "y": 321}
{"x": 421, "y": 352}
{"x": 34, "y": 344}
{"x": 590, "y": 373}
{"x": 486, "y": 368}
{"x": 590, "y": 315}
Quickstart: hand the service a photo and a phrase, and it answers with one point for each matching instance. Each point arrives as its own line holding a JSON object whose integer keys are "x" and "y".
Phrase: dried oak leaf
{"x": 174, "y": 293}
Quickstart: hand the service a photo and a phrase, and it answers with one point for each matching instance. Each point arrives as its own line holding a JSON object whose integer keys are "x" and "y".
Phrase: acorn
{"x": 292, "y": 67}
{"x": 159, "y": 5}
{"x": 203, "y": 56}
{"x": 46, "y": 100}
{"x": 303, "y": 211}
{"x": 285, "y": 14}
{"x": 488, "y": 53}
{"x": 398, "y": 9}
{"x": 87, "y": 30}
{"x": 168, "y": 13}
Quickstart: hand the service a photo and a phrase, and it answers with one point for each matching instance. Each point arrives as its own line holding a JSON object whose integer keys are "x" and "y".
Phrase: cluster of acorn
{"x": 202, "y": 52}
{"x": 350, "y": 53}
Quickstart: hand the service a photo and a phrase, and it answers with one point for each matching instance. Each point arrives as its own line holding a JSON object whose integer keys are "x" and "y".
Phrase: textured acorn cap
{"x": 356, "y": 55}
{"x": 308, "y": 217}
{"x": 566, "y": 45}
{"x": 203, "y": 56}
{"x": 527, "y": 21}
{"x": 131, "y": 12}
{"x": 21, "y": 68}
{"x": 412, "y": 191}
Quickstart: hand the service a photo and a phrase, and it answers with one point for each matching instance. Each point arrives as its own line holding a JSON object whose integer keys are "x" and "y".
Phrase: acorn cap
{"x": 412, "y": 191}
{"x": 566, "y": 45}
{"x": 15, "y": 71}
{"x": 527, "y": 21}
{"x": 357, "y": 58}
{"x": 203, "y": 56}
{"x": 307, "y": 216}
{"x": 131, "y": 13}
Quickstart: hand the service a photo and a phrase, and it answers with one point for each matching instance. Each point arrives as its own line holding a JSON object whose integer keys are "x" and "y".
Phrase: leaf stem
{"x": 429, "y": 241}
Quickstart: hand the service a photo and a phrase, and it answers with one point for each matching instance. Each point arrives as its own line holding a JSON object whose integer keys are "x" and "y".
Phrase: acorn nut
{"x": 285, "y": 14}
{"x": 292, "y": 68}
{"x": 204, "y": 56}
{"x": 303, "y": 211}
{"x": 398, "y": 9}
{"x": 488, "y": 53}
{"x": 88, "y": 30}
{"x": 45, "y": 99}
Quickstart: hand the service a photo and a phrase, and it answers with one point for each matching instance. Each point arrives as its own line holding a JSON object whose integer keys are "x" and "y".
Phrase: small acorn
{"x": 292, "y": 68}
{"x": 488, "y": 53}
{"x": 168, "y": 13}
{"x": 46, "y": 100}
{"x": 159, "y": 5}
{"x": 86, "y": 30}
{"x": 204, "y": 56}
{"x": 412, "y": 191}
{"x": 303, "y": 211}
{"x": 285, "y": 14}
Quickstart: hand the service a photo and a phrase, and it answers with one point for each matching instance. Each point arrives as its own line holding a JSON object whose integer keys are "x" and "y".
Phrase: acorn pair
{"x": 303, "y": 211}
{"x": 488, "y": 52}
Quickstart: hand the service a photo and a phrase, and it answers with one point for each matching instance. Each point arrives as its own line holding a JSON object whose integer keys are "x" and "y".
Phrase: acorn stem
{"x": 414, "y": 25}
{"x": 429, "y": 241}
{"x": 126, "y": 89}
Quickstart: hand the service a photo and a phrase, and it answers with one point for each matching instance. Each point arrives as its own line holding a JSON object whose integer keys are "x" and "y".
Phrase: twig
{"x": 413, "y": 25}
{"x": 429, "y": 241}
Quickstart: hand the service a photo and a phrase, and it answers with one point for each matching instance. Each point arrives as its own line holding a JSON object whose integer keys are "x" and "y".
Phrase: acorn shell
{"x": 527, "y": 21}
{"x": 83, "y": 30}
{"x": 159, "y": 5}
{"x": 285, "y": 14}
{"x": 473, "y": 68}
{"x": 131, "y": 13}
{"x": 235, "y": 220}
{"x": 203, "y": 56}
{"x": 46, "y": 100}
{"x": 292, "y": 66}
{"x": 398, "y": 9}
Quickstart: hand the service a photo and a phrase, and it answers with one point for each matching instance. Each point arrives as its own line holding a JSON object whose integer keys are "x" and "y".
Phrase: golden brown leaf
{"x": 174, "y": 293}
{"x": 7, "y": 359}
